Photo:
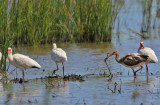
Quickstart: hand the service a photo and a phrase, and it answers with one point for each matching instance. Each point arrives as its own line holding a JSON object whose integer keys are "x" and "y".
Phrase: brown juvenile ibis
{"x": 147, "y": 51}
{"x": 130, "y": 60}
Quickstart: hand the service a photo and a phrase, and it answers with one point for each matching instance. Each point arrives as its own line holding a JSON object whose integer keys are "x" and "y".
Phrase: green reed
{"x": 35, "y": 22}
{"x": 45, "y": 21}
{"x": 5, "y": 33}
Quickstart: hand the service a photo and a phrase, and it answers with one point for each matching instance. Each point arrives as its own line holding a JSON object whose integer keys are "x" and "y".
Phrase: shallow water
{"x": 83, "y": 59}
{"x": 87, "y": 59}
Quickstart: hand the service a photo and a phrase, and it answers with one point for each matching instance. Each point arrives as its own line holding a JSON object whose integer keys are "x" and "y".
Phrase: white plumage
{"x": 58, "y": 56}
{"x": 24, "y": 62}
{"x": 147, "y": 51}
{"x": 21, "y": 61}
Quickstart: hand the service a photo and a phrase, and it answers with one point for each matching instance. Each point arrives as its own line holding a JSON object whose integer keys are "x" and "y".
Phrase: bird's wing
{"x": 148, "y": 51}
{"x": 143, "y": 57}
{"x": 58, "y": 54}
{"x": 63, "y": 53}
{"x": 135, "y": 54}
{"x": 145, "y": 51}
{"x": 24, "y": 61}
{"x": 131, "y": 60}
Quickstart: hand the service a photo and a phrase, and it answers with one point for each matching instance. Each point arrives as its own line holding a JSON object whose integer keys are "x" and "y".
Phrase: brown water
{"x": 86, "y": 59}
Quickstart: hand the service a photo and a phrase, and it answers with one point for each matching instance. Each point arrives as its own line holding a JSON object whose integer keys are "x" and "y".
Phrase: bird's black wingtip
{"x": 35, "y": 67}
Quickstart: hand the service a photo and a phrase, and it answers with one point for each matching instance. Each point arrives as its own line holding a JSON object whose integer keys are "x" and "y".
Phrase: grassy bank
{"x": 37, "y": 21}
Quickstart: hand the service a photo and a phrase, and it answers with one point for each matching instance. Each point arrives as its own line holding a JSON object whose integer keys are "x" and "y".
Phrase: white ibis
{"x": 147, "y": 51}
{"x": 21, "y": 61}
{"x": 58, "y": 56}
{"x": 130, "y": 60}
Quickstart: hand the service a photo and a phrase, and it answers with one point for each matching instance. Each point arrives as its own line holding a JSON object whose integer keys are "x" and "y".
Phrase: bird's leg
{"x": 137, "y": 70}
{"x": 16, "y": 73}
{"x": 57, "y": 66}
{"x": 63, "y": 69}
{"x": 23, "y": 76}
{"x": 147, "y": 73}
{"x": 134, "y": 72}
{"x": 54, "y": 71}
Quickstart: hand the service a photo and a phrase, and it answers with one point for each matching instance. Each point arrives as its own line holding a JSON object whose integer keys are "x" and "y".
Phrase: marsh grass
{"x": 37, "y": 21}
{"x": 5, "y": 33}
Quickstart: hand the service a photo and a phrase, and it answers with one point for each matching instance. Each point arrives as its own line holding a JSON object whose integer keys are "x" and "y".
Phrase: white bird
{"x": 21, "y": 61}
{"x": 58, "y": 56}
{"x": 147, "y": 51}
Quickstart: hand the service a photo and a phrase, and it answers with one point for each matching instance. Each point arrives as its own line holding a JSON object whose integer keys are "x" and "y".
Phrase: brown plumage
{"x": 131, "y": 60}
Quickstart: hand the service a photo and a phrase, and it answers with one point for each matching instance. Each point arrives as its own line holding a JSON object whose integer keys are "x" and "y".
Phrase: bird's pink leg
{"x": 57, "y": 66}
{"x": 134, "y": 73}
{"x": 63, "y": 69}
{"x": 23, "y": 76}
{"x": 147, "y": 73}
{"x": 54, "y": 71}
{"x": 137, "y": 70}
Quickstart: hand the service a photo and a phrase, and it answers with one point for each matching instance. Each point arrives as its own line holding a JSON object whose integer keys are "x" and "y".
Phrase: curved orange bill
{"x": 108, "y": 55}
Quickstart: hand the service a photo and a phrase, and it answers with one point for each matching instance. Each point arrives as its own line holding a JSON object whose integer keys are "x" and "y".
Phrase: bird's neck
{"x": 54, "y": 47}
{"x": 10, "y": 57}
{"x": 117, "y": 58}
{"x": 141, "y": 48}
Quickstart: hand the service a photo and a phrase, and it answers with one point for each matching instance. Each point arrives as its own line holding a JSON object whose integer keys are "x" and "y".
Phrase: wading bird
{"x": 130, "y": 60}
{"x": 147, "y": 51}
{"x": 21, "y": 61}
{"x": 58, "y": 56}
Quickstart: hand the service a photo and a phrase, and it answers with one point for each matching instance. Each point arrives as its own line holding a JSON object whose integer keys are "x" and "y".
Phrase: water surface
{"x": 88, "y": 58}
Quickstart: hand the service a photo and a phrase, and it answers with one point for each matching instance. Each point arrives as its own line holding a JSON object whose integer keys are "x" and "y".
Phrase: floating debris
{"x": 73, "y": 77}
{"x": 56, "y": 76}
{"x": 16, "y": 80}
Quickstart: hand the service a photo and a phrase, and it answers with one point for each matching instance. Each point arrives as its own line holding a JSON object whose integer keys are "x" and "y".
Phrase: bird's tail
{"x": 154, "y": 60}
{"x": 36, "y": 66}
